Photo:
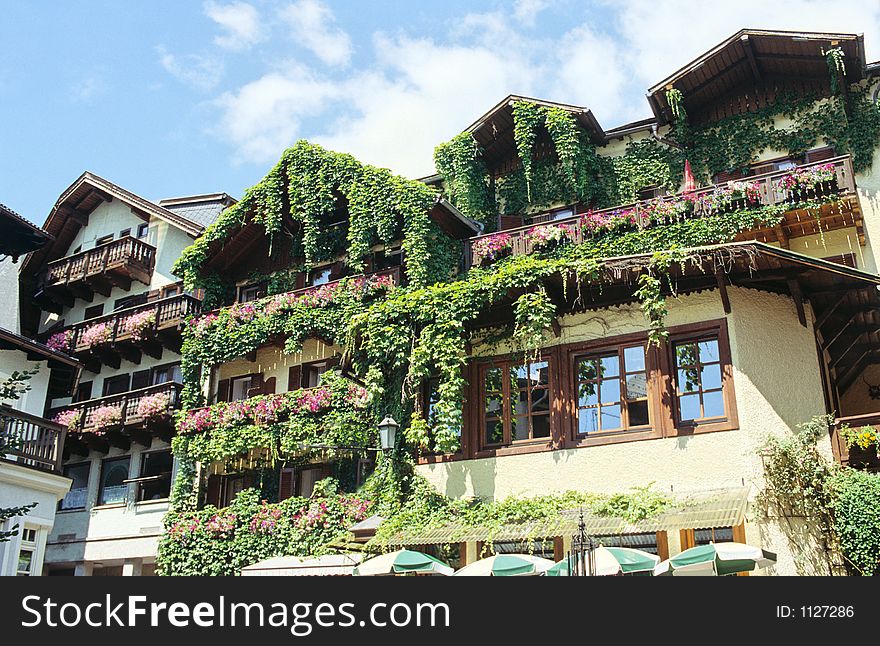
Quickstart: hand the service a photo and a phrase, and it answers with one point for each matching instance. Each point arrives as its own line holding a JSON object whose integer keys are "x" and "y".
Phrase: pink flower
{"x": 153, "y": 406}
{"x": 489, "y": 248}
{"x": 105, "y": 416}
{"x": 60, "y": 341}
{"x": 137, "y": 324}
{"x": 69, "y": 418}
{"x": 96, "y": 335}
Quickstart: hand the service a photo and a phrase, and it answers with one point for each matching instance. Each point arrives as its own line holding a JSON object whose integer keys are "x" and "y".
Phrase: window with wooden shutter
{"x": 154, "y": 295}
{"x": 140, "y": 379}
{"x": 286, "y": 483}
{"x": 223, "y": 390}
{"x": 269, "y": 386}
{"x": 256, "y": 385}
{"x": 819, "y": 154}
{"x": 294, "y": 378}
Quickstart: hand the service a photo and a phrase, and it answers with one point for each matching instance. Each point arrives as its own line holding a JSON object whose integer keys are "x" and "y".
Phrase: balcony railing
{"x": 766, "y": 185}
{"x": 133, "y": 326}
{"x": 93, "y": 414}
{"x": 31, "y": 441}
{"x": 128, "y": 256}
{"x": 854, "y": 456}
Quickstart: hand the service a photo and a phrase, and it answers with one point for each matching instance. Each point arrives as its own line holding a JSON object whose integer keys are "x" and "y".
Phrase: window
{"x": 612, "y": 391}
{"x": 83, "y": 391}
{"x": 172, "y": 290}
{"x": 542, "y": 548}
{"x": 116, "y": 385}
{"x": 79, "y": 489}
{"x": 114, "y": 473}
{"x": 652, "y": 542}
{"x": 27, "y": 552}
{"x": 387, "y": 259}
{"x": 250, "y": 293}
{"x": 143, "y": 230}
{"x": 165, "y": 374}
{"x": 93, "y": 312}
{"x": 238, "y": 388}
{"x": 130, "y": 301}
{"x": 320, "y": 276}
{"x": 124, "y": 233}
{"x": 140, "y": 379}
{"x": 104, "y": 240}
{"x": 154, "y": 482}
{"x": 650, "y": 192}
{"x": 698, "y": 380}
{"x": 516, "y": 401}
{"x": 713, "y": 535}
{"x": 311, "y": 372}
{"x": 429, "y": 397}
{"x": 561, "y": 214}
{"x": 232, "y": 486}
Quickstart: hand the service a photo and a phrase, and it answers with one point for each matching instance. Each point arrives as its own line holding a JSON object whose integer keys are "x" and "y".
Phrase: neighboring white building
{"x": 103, "y": 291}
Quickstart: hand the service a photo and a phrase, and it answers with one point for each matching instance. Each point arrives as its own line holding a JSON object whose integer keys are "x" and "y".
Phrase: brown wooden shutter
{"x": 256, "y": 387}
{"x": 509, "y": 222}
{"x": 223, "y": 390}
{"x": 337, "y": 269}
{"x": 269, "y": 386}
{"x": 300, "y": 279}
{"x": 687, "y": 539}
{"x": 153, "y": 295}
{"x": 212, "y": 494}
{"x": 286, "y": 483}
{"x": 819, "y": 154}
{"x": 294, "y": 378}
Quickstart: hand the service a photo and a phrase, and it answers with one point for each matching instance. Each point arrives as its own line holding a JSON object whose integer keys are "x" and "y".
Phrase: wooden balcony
{"x": 131, "y": 422}
{"x": 796, "y": 222}
{"x": 131, "y": 332}
{"x": 31, "y": 441}
{"x": 81, "y": 275}
{"x": 855, "y": 456}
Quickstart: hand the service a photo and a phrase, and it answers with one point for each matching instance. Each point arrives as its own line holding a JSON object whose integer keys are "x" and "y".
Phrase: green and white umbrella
{"x": 402, "y": 562}
{"x": 715, "y": 559}
{"x": 613, "y": 560}
{"x": 507, "y": 565}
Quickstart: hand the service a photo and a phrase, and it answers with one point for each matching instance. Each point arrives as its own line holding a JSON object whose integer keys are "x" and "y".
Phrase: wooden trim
{"x": 663, "y": 545}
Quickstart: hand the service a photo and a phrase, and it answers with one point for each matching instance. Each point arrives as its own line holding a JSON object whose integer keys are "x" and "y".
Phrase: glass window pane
{"x": 541, "y": 426}
{"x": 709, "y": 351}
{"x": 610, "y": 391}
{"x": 634, "y": 358}
{"x": 710, "y": 377}
{"x": 521, "y": 428}
{"x": 25, "y": 560}
{"x": 588, "y": 394}
{"x": 713, "y": 404}
{"x": 113, "y": 488}
{"x": 610, "y": 417}
{"x": 521, "y": 403}
{"x": 539, "y": 373}
{"x": 519, "y": 376}
{"x": 493, "y": 380}
{"x": 638, "y": 413}
{"x": 588, "y": 420}
{"x": 494, "y": 432}
{"x": 685, "y": 354}
{"x": 636, "y": 386}
{"x": 587, "y": 370}
{"x": 688, "y": 381}
{"x": 689, "y": 407}
{"x": 610, "y": 367}
{"x": 493, "y": 406}
{"x": 540, "y": 400}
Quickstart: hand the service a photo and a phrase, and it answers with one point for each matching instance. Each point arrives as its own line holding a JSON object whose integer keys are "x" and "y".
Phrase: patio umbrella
{"x": 613, "y": 560}
{"x": 402, "y": 562}
{"x": 715, "y": 559}
{"x": 507, "y": 565}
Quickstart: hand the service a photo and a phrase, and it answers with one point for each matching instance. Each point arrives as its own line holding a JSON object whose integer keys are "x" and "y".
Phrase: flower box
{"x": 105, "y": 417}
{"x": 96, "y": 335}
{"x": 153, "y": 407}
{"x": 60, "y": 341}
{"x": 491, "y": 248}
{"x": 69, "y": 419}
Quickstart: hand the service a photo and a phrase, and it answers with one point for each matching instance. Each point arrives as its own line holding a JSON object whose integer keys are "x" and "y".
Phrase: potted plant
{"x": 105, "y": 417}
{"x": 95, "y": 335}
{"x": 60, "y": 341}
{"x": 153, "y": 407}
{"x": 69, "y": 418}
{"x": 548, "y": 237}
{"x": 137, "y": 325}
{"x": 491, "y": 248}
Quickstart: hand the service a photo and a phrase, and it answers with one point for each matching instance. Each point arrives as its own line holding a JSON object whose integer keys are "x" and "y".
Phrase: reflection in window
{"x": 612, "y": 391}
{"x": 698, "y": 380}
{"x": 114, "y": 473}
{"x": 79, "y": 487}
{"x": 516, "y": 402}
{"x": 156, "y": 473}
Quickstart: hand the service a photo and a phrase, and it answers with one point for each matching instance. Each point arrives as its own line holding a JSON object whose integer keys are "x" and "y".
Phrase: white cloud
{"x": 197, "y": 71}
{"x": 239, "y": 21}
{"x": 313, "y": 25}
{"x": 88, "y": 88}
{"x": 419, "y": 91}
{"x": 264, "y": 116}
{"x": 526, "y": 11}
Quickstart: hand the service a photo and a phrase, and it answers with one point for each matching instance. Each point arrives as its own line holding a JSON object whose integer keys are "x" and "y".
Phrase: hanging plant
{"x": 675, "y": 99}
{"x": 834, "y": 58}
{"x": 527, "y": 118}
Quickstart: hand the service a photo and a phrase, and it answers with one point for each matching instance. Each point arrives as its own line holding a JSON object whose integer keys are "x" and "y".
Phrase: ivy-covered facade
{"x": 565, "y": 317}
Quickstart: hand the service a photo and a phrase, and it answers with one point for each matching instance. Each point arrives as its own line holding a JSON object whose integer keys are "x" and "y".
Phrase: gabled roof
{"x": 36, "y": 351}
{"x": 19, "y": 236}
{"x": 200, "y": 209}
{"x": 756, "y": 57}
{"x": 494, "y": 130}
{"x": 71, "y": 212}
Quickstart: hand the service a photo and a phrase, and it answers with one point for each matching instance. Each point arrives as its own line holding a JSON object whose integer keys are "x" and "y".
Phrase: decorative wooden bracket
{"x": 795, "y": 288}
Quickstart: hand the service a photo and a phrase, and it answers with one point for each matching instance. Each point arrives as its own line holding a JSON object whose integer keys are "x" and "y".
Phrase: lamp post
{"x": 388, "y": 433}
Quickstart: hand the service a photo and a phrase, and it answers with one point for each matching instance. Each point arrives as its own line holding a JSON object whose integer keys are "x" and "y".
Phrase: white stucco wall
{"x": 31, "y": 401}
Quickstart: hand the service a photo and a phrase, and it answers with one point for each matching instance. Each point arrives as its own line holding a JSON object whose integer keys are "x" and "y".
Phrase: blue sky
{"x": 174, "y": 98}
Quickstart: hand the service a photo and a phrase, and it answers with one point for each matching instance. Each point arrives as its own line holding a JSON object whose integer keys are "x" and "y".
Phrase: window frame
{"x": 31, "y": 546}
{"x": 508, "y": 443}
{"x": 142, "y": 479}
{"x": 74, "y": 465}
{"x": 101, "y": 487}
{"x": 695, "y": 333}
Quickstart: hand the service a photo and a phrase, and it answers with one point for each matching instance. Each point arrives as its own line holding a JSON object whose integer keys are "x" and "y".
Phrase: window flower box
{"x": 105, "y": 417}
{"x": 96, "y": 335}
{"x": 138, "y": 325}
{"x": 69, "y": 418}
{"x": 807, "y": 183}
{"x": 153, "y": 407}
{"x": 491, "y": 248}
{"x": 548, "y": 237}
{"x": 60, "y": 341}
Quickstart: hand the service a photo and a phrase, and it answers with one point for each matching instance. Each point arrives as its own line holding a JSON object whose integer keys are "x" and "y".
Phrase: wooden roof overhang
{"x": 746, "y": 72}
{"x": 494, "y": 131}
{"x": 19, "y": 236}
{"x": 845, "y": 301}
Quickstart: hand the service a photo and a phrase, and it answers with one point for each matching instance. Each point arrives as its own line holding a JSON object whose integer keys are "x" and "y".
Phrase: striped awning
{"x": 720, "y": 508}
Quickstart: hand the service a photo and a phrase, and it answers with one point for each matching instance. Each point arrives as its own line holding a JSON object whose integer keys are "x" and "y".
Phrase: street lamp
{"x": 388, "y": 433}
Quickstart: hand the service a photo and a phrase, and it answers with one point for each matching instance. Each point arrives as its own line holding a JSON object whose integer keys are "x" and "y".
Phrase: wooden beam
{"x": 721, "y": 278}
{"x": 140, "y": 437}
{"x": 750, "y": 56}
{"x": 556, "y": 327}
{"x": 106, "y": 197}
{"x": 797, "y": 295}
{"x": 860, "y": 364}
{"x": 831, "y": 309}
{"x": 781, "y": 236}
{"x": 840, "y": 357}
{"x": 851, "y": 320}
{"x": 118, "y": 440}
{"x": 96, "y": 443}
